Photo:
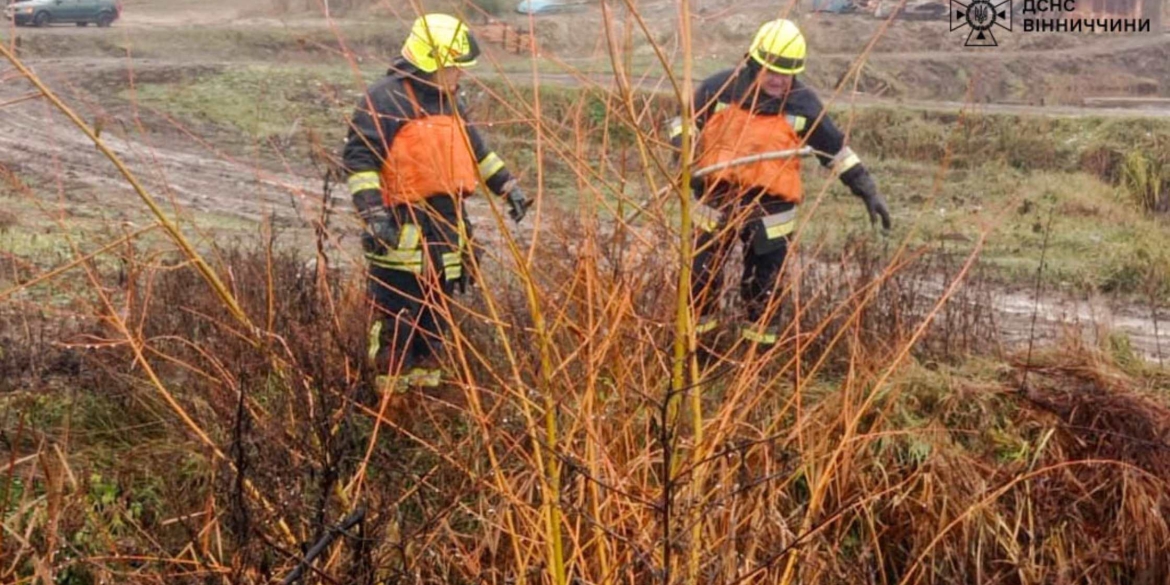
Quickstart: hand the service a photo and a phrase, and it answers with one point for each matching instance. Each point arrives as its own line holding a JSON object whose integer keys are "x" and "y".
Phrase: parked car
{"x": 913, "y": 9}
{"x": 81, "y": 12}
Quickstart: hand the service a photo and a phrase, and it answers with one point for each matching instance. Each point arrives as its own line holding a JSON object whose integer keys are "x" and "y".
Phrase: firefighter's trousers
{"x": 411, "y": 282}
{"x": 763, "y": 228}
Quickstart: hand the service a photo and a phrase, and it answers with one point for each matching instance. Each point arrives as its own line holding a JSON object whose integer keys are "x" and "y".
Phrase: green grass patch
{"x": 259, "y": 102}
{"x": 1091, "y": 236}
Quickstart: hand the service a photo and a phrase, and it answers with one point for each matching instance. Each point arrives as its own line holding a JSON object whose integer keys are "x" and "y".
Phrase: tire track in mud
{"x": 38, "y": 141}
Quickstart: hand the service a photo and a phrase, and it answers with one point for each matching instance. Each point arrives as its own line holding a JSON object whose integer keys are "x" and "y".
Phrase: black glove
{"x": 865, "y": 188}
{"x": 518, "y": 204}
{"x": 470, "y": 257}
{"x": 381, "y": 231}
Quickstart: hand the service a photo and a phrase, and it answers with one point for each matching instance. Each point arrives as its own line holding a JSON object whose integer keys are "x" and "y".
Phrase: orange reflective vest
{"x": 429, "y": 156}
{"x": 734, "y": 132}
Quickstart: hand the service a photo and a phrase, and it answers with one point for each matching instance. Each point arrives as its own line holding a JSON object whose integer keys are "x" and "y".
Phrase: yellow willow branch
{"x": 551, "y": 494}
{"x": 746, "y": 160}
{"x": 684, "y": 335}
{"x": 188, "y": 250}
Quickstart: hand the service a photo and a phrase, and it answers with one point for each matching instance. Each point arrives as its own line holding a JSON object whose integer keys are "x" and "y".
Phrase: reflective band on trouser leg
{"x": 399, "y": 384}
{"x": 453, "y": 265}
{"x": 408, "y": 237}
{"x": 844, "y": 160}
{"x": 389, "y": 384}
{"x": 404, "y": 260}
{"x": 375, "y": 342}
{"x": 363, "y": 181}
{"x": 706, "y": 324}
{"x": 406, "y": 256}
{"x": 778, "y": 225}
{"x": 768, "y": 336}
{"x": 706, "y": 218}
{"x": 490, "y": 165}
{"x": 424, "y": 377}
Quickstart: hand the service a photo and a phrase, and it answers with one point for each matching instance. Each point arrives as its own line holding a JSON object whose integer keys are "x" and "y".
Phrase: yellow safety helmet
{"x": 779, "y": 46}
{"x": 439, "y": 40}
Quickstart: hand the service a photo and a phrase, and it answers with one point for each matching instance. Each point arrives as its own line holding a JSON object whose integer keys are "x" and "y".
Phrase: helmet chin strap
{"x": 402, "y": 68}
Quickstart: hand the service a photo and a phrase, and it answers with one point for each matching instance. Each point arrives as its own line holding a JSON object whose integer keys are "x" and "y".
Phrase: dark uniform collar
{"x": 747, "y": 95}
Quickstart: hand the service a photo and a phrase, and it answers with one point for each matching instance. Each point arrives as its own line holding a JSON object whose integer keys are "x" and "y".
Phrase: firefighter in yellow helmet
{"x": 760, "y": 106}
{"x": 411, "y": 159}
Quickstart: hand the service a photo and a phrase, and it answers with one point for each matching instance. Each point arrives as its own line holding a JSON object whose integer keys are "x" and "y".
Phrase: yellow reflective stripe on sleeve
{"x": 676, "y": 128}
{"x": 778, "y": 225}
{"x": 845, "y": 160}
{"x": 375, "y": 342}
{"x": 765, "y": 337}
{"x": 490, "y": 165}
{"x": 798, "y": 123}
{"x": 363, "y": 181}
{"x": 705, "y": 218}
{"x": 408, "y": 237}
{"x": 719, "y": 107}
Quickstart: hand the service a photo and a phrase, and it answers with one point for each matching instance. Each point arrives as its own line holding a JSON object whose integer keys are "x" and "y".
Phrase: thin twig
{"x": 1036, "y": 306}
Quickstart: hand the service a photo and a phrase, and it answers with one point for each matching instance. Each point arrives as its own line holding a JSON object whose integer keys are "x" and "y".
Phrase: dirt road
{"x": 1093, "y": 318}
{"x": 40, "y": 141}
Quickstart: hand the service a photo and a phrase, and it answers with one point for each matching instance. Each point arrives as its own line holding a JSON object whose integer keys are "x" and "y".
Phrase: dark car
{"x": 81, "y": 12}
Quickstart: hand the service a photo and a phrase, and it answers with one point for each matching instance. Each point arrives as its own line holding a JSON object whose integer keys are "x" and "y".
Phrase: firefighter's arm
{"x": 704, "y": 100}
{"x": 370, "y": 134}
{"x": 829, "y": 142}
{"x": 371, "y": 130}
{"x": 497, "y": 177}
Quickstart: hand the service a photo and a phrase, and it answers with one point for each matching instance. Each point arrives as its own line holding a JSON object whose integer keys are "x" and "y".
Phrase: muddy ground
{"x": 202, "y": 168}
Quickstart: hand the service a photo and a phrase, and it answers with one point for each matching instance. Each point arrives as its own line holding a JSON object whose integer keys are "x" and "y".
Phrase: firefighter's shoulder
{"x": 803, "y": 100}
